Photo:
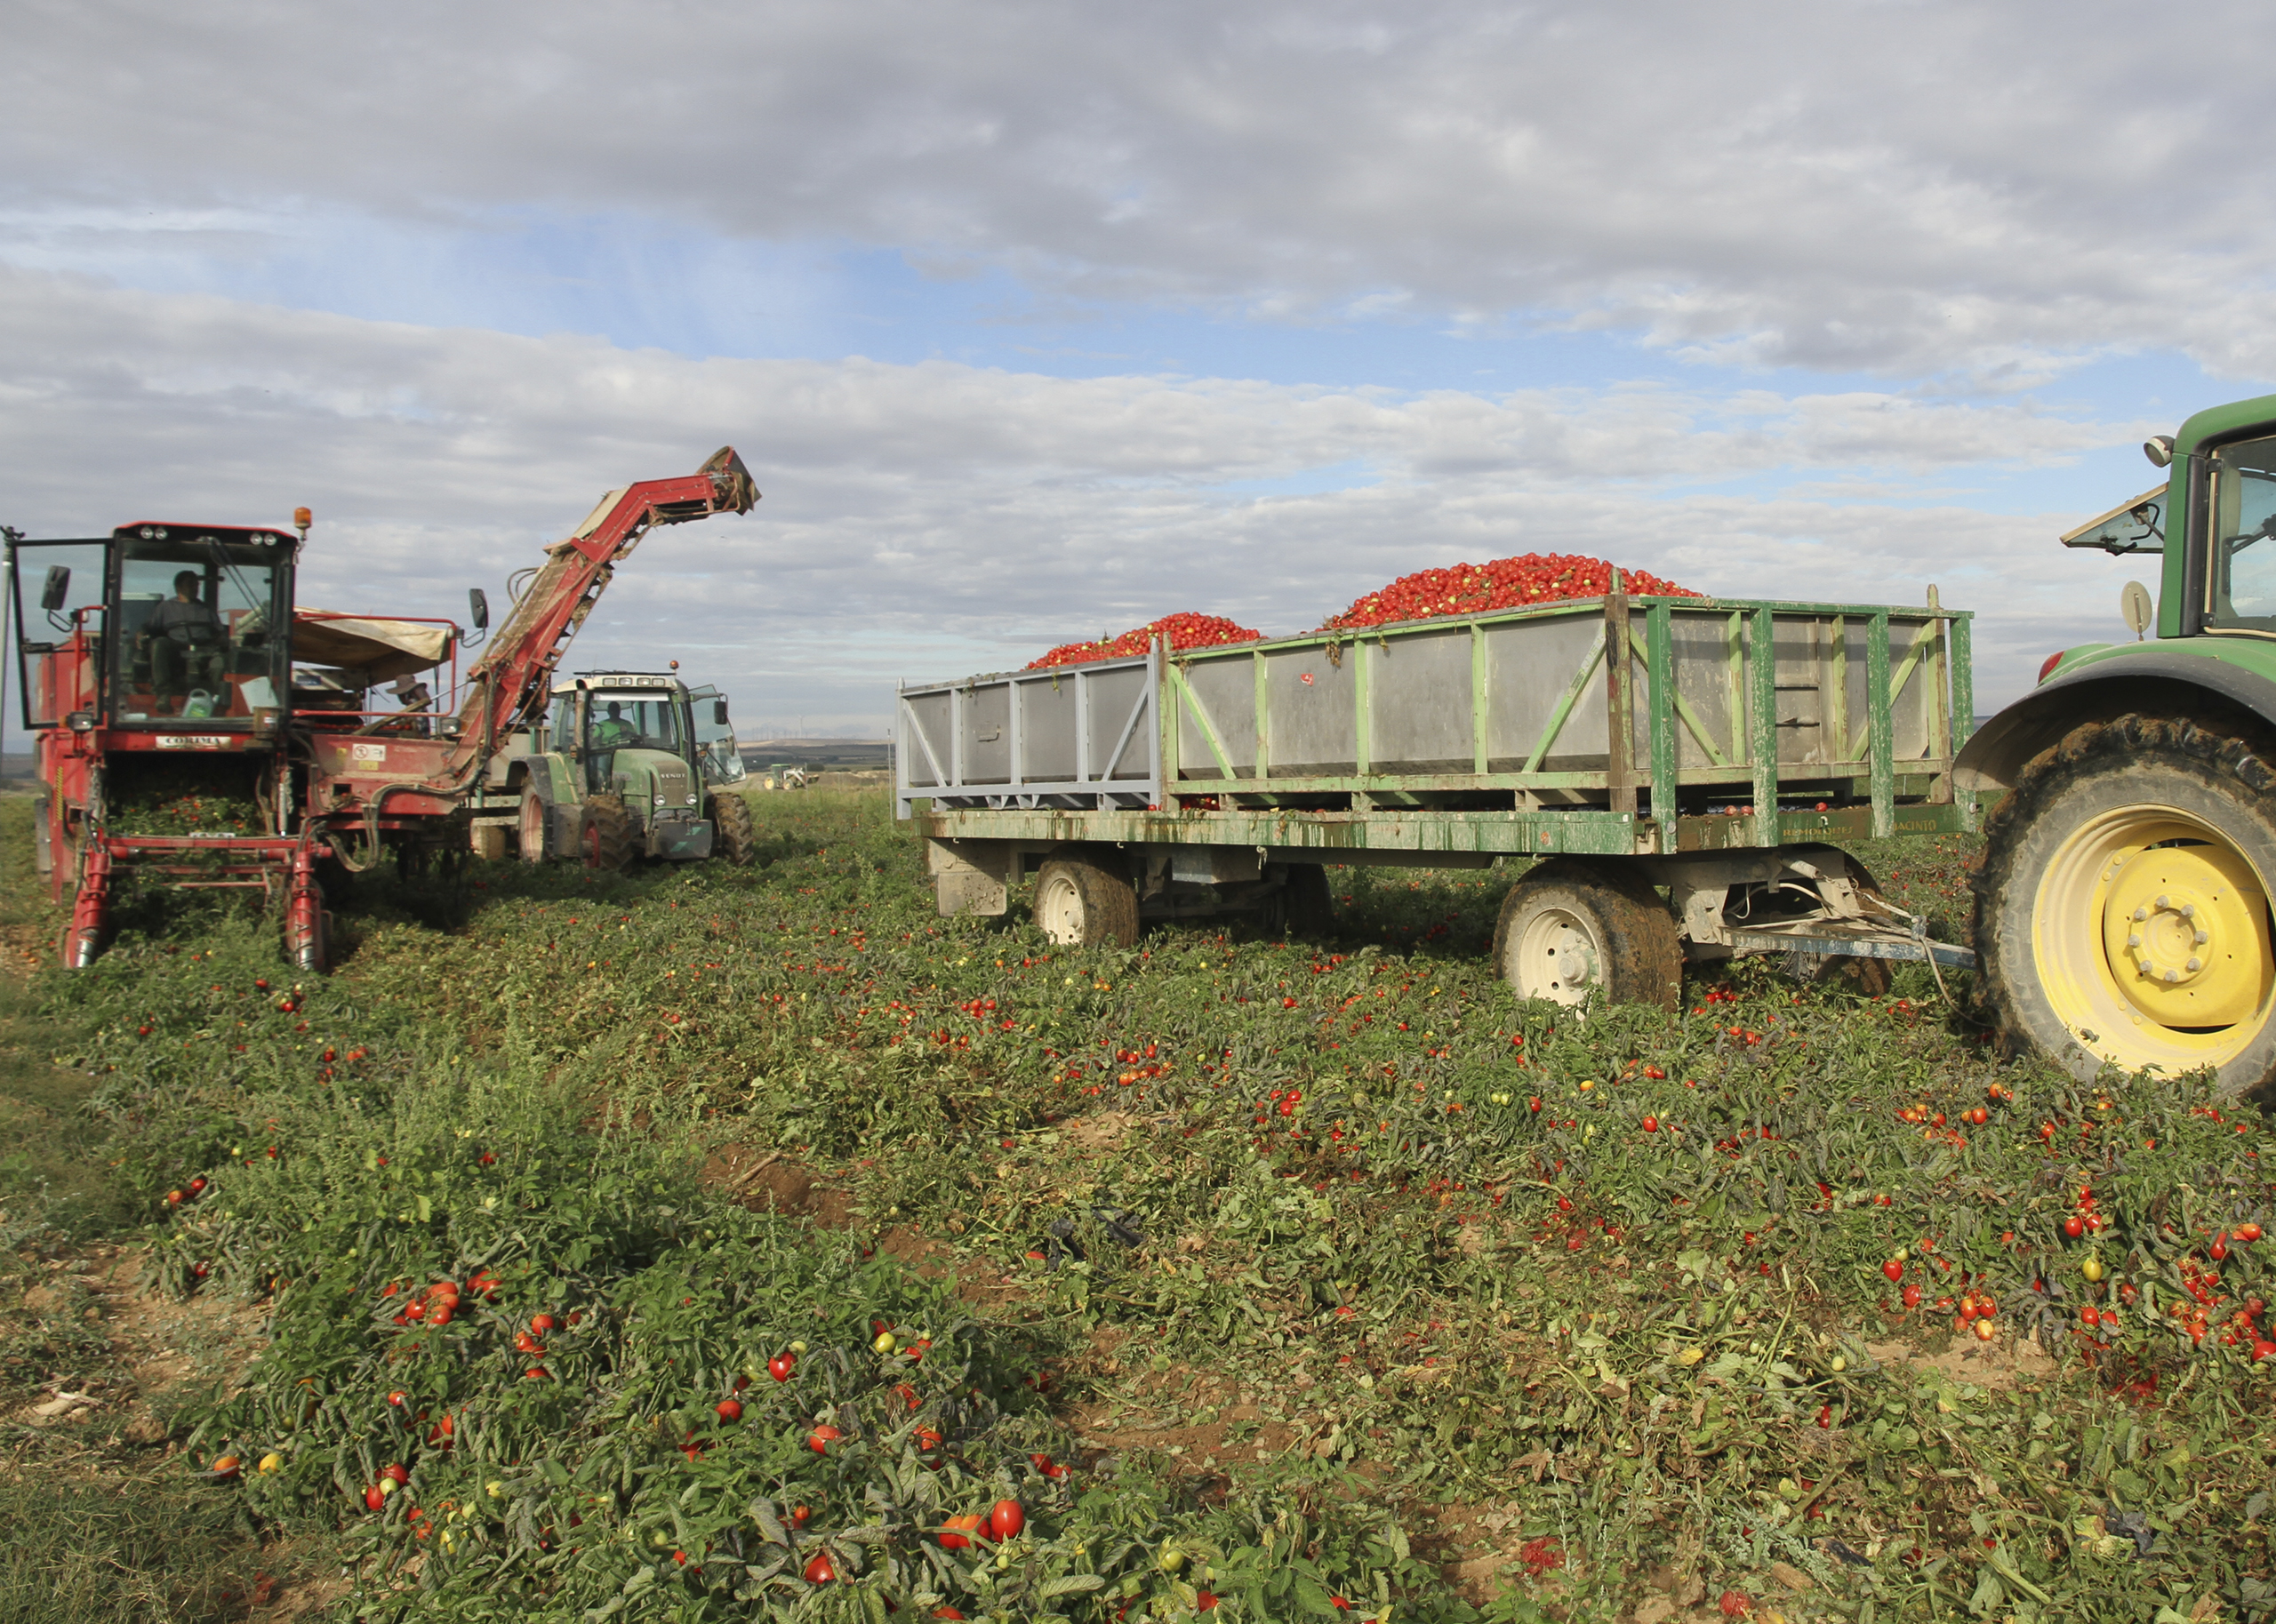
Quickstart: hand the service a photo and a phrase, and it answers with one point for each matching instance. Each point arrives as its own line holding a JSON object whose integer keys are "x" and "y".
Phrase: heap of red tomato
{"x": 1504, "y": 583}
{"x": 1183, "y": 630}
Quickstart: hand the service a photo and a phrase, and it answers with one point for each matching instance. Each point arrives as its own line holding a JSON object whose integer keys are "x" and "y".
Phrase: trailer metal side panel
{"x": 1660, "y": 709}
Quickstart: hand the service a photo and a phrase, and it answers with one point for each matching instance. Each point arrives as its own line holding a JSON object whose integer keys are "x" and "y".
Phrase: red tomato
{"x": 780, "y": 1366}
{"x": 2074, "y": 1225}
{"x": 958, "y": 1533}
{"x": 728, "y": 1409}
{"x": 1651, "y": 1125}
{"x": 1008, "y": 1517}
{"x": 543, "y": 1322}
{"x": 398, "y": 1473}
{"x": 945, "y": 1612}
{"x": 1894, "y": 1269}
{"x": 375, "y": 1497}
{"x": 822, "y": 1437}
{"x": 440, "y": 1314}
{"x": 798, "y": 1516}
{"x": 819, "y": 1570}
{"x": 523, "y": 1342}
{"x": 2248, "y": 1232}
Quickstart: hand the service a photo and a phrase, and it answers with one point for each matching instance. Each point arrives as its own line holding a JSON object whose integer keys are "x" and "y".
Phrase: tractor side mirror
{"x": 720, "y": 712}
{"x": 56, "y": 588}
{"x": 479, "y": 605}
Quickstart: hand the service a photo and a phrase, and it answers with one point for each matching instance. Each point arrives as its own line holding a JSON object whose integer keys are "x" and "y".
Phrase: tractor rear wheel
{"x": 1081, "y": 903}
{"x": 734, "y": 837}
{"x": 2122, "y": 907}
{"x": 608, "y": 833}
{"x": 1572, "y": 928}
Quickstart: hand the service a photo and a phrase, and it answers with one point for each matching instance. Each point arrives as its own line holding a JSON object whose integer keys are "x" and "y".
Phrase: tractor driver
{"x": 612, "y": 730}
{"x": 184, "y": 642}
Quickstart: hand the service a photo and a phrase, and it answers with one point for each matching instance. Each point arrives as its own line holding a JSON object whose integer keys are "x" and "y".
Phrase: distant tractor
{"x": 627, "y": 765}
{"x": 2122, "y": 909}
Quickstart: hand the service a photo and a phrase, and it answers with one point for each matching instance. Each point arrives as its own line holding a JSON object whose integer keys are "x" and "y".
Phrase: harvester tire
{"x": 1571, "y": 929}
{"x": 1082, "y": 903}
{"x": 2122, "y": 905}
{"x": 735, "y": 838}
{"x": 529, "y": 830}
{"x": 607, "y": 840}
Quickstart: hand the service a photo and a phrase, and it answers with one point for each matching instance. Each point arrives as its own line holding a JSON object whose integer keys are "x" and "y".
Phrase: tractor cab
{"x": 647, "y": 742}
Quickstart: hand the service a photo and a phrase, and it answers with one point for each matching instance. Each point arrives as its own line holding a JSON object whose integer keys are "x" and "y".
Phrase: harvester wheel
{"x": 734, "y": 837}
{"x": 1080, "y": 903}
{"x": 608, "y": 833}
{"x": 2122, "y": 907}
{"x": 1571, "y": 928}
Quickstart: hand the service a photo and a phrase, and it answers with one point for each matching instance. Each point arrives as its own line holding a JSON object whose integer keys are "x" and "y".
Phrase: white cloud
{"x": 1937, "y": 186}
{"x": 923, "y": 519}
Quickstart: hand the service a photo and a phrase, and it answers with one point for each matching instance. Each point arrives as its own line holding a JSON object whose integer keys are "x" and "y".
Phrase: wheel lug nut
{"x": 2135, "y": 939}
{"x": 2173, "y": 975}
{"x": 2141, "y": 913}
{"x": 2189, "y": 910}
{"x": 2202, "y": 937}
{"x": 2163, "y": 901}
{"x": 2196, "y": 963}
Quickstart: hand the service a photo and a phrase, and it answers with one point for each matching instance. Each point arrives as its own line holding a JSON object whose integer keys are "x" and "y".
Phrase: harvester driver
{"x": 184, "y": 642}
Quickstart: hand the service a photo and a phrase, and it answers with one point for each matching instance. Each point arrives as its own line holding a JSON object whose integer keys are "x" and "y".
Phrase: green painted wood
{"x": 1659, "y": 663}
{"x": 1620, "y": 697}
{"x": 1734, "y": 669}
{"x": 1963, "y": 690}
{"x": 1880, "y": 725}
{"x": 1363, "y": 756}
{"x": 1837, "y": 713}
{"x": 1762, "y": 722}
{"x": 1480, "y": 699}
{"x": 1571, "y": 697}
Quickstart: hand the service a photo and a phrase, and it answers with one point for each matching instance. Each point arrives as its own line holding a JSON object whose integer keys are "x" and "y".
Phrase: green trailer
{"x": 1714, "y": 750}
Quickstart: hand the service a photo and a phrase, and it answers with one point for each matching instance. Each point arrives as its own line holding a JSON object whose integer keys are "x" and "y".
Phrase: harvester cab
{"x": 634, "y": 763}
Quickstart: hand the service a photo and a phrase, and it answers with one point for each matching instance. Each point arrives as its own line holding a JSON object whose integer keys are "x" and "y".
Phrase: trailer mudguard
{"x": 2158, "y": 680}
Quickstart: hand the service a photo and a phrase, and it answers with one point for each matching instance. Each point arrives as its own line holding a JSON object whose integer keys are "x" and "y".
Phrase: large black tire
{"x": 2122, "y": 907}
{"x": 607, "y": 839}
{"x": 1307, "y": 906}
{"x": 1573, "y": 928}
{"x": 1080, "y": 903}
{"x": 735, "y": 838}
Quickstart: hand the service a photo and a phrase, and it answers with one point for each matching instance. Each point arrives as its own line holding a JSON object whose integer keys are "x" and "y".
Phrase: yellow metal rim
{"x": 2151, "y": 936}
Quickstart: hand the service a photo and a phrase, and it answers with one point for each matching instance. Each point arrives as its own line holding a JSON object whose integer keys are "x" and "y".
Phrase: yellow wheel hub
{"x": 2151, "y": 937}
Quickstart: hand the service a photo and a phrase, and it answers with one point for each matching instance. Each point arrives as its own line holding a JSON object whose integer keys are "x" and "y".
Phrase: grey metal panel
{"x": 1419, "y": 701}
{"x": 1800, "y": 645}
{"x": 1113, "y": 694}
{"x": 1909, "y": 715}
{"x": 1703, "y": 678}
{"x": 1226, "y": 692}
{"x": 1529, "y": 666}
{"x": 925, "y": 721}
{"x": 985, "y": 719}
{"x": 1314, "y": 721}
{"x": 1047, "y": 720}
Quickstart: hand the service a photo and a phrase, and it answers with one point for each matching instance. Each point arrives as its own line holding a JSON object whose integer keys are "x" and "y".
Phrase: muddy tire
{"x": 1573, "y": 928}
{"x": 1306, "y": 905}
{"x": 1080, "y": 903}
{"x": 529, "y": 828}
{"x": 2122, "y": 907}
{"x": 735, "y": 838}
{"x": 606, "y": 841}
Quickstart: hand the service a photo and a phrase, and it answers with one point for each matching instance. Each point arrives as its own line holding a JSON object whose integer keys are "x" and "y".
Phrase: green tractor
{"x": 2122, "y": 911}
{"x": 628, "y": 765}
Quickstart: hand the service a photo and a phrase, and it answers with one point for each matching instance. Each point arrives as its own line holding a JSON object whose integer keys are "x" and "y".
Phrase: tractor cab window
{"x": 715, "y": 737}
{"x": 194, "y": 632}
{"x": 58, "y": 585}
{"x": 645, "y": 721}
{"x": 2240, "y": 590}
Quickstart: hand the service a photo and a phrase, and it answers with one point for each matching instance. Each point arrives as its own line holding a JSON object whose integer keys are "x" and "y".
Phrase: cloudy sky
{"x": 1038, "y": 320}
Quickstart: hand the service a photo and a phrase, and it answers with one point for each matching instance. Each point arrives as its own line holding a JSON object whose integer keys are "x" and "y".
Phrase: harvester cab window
{"x": 715, "y": 736}
{"x": 193, "y": 637}
{"x": 73, "y": 570}
{"x": 2240, "y": 590}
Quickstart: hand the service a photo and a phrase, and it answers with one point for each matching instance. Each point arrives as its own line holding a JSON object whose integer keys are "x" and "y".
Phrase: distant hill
{"x": 833, "y": 755}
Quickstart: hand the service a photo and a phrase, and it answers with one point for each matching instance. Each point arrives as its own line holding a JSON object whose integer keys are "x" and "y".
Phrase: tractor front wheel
{"x": 735, "y": 836}
{"x": 608, "y": 834}
{"x": 529, "y": 830}
{"x": 2122, "y": 907}
{"x": 1572, "y": 928}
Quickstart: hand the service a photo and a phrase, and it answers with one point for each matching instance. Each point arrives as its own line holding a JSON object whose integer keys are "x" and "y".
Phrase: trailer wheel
{"x": 1306, "y": 904}
{"x": 2122, "y": 907}
{"x": 736, "y": 837}
{"x": 529, "y": 831}
{"x": 608, "y": 833}
{"x": 1571, "y": 927}
{"x": 1079, "y": 903}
